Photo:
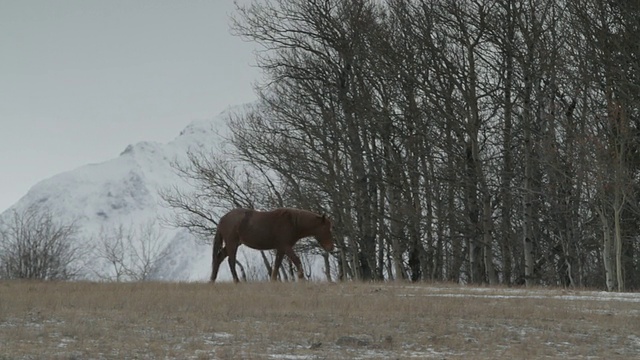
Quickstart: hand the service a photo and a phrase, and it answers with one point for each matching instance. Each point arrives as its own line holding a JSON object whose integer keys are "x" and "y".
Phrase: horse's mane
{"x": 290, "y": 215}
{"x": 245, "y": 219}
{"x": 296, "y": 216}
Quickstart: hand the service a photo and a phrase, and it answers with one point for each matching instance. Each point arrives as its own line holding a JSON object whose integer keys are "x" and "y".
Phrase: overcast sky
{"x": 82, "y": 79}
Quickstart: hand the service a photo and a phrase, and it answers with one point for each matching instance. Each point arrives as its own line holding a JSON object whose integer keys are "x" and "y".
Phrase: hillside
{"x": 345, "y": 320}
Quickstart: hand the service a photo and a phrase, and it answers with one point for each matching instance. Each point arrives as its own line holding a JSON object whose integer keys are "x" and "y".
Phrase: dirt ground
{"x": 312, "y": 320}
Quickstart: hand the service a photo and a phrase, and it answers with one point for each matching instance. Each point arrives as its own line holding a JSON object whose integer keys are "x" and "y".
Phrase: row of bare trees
{"x": 483, "y": 141}
{"x": 37, "y": 243}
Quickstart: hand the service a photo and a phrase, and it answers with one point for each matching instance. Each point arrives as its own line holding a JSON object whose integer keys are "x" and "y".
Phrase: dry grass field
{"x": 308, "y": 320}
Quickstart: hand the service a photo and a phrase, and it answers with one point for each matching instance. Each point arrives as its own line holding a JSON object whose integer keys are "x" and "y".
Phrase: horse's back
{"x": 242, "y": 219}
{"x": 237, "y": 212}
{"x": 232, "y": 219}
{"x": 261, "y": 229}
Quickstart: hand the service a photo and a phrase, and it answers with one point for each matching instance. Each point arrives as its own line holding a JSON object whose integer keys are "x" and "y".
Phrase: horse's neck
{"x": 305, "y": 227}
{"x": 305, "y": 233}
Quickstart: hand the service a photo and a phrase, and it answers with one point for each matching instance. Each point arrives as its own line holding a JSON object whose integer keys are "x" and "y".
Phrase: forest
{"x": 473, "y": 141}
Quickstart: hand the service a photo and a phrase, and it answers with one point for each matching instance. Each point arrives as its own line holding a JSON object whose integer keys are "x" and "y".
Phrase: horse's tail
{"x": 217, "y": 246}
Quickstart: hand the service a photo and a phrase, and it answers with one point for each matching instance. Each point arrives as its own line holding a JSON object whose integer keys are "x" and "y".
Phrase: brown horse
{"x": 279, "y": 229}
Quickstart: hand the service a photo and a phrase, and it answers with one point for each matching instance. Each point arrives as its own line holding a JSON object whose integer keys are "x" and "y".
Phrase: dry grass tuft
{"x": 310, "y": 321}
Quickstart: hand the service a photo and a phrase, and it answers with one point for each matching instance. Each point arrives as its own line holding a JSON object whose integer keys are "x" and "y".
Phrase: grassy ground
{"x": 311, "y": 321}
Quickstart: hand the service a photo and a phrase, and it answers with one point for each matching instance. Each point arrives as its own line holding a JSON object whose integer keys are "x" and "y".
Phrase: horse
{"x": 278, "y": 230}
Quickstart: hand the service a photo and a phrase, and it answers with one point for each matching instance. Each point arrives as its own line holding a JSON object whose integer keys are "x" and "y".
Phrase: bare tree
{"x": 111, "y": 248}
{"x": 133, "y": 254}
{"x": 35, "y": 244}
{"x": 606, "y": 43}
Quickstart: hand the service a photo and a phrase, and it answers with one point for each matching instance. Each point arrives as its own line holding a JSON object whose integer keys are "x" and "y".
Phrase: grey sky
{"x": 80, "y": 80}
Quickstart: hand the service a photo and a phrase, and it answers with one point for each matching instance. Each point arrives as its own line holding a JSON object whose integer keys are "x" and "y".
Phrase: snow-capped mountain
{"x": 125, "y": 191}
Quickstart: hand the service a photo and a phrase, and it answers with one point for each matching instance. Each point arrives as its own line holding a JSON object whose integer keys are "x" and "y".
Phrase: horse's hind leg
{"x": 231, "y": 251}
{"x": 276, "y": 265}
{"x": 219, "y": 258}
{"x": 296, "y": 261}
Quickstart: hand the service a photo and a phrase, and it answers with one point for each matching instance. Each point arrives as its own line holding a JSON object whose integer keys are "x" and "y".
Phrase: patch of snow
{"x": 634, "y": 340}
{"x": 291, "y": 357}
{"x": 64, "y": 342}
{"x": 476, "y": 292}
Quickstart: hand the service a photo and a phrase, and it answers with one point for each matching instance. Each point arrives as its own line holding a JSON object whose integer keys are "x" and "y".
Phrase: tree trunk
{"x": 487, "y": 226}
{"x": 327, "y": 266}
{"x": 617, "y": 209}
{"x": 528, "y": 211}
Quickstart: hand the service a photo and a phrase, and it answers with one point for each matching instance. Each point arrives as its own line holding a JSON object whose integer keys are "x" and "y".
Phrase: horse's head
{"x": 323, "y": 233}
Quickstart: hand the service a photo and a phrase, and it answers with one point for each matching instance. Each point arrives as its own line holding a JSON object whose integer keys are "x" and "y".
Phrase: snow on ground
{"x": 569, "y": 295}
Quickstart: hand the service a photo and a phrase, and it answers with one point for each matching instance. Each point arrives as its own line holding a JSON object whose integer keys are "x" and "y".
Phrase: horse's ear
{"x": 324, "y": 218}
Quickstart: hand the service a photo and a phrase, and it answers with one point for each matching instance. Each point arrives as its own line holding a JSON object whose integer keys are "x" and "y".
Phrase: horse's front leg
{"x": 276, "y": 265}
{"x": 296, "y": 261}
